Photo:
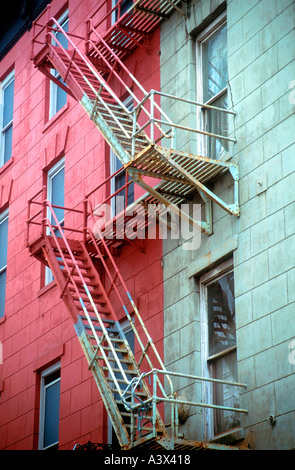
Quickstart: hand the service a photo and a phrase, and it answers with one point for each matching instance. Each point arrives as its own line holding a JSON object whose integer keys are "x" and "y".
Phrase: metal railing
{"x": 171, "y": 398}
{"x": 164, "y": 121}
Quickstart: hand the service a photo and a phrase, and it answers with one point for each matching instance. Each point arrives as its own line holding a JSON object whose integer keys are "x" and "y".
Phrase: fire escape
{"x": 92, "y": 69}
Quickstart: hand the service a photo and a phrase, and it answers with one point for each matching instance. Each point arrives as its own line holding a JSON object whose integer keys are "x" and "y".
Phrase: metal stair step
{"x": 101, "y": 310}
{"x": 105, "y": 320}
{"x": 117, "y": 350}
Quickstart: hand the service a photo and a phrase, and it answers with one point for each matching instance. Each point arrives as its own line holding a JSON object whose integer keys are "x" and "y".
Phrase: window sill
{"x": 229, "y": 437}
{"x": 6, "y": 165}
{"x": 55, "y": 117}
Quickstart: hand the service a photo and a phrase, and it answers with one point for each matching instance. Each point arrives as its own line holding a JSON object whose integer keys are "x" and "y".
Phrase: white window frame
{"x": 208, "y": 32}
{"x": 64, "y": 18}
{"x": 50, "y": 370}
{"x": 207, "y": 388}
{"x": 4, "y": 216}
{"x": 60, "y": 165}
{"x": 4, "y": 84}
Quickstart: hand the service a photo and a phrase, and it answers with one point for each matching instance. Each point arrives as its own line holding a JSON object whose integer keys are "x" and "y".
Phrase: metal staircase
{"x": 144, "y": 138}
{"x": 125, "y": 393}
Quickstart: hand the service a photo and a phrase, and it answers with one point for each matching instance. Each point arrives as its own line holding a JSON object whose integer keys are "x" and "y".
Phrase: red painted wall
{"x": 36, "y": 330}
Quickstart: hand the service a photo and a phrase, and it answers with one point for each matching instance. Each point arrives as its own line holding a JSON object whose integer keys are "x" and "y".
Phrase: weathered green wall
{"x": 261, "y": 58}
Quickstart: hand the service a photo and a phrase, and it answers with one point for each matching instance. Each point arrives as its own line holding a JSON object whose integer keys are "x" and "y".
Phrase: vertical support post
{"x": 47, "y": 25}
{"x": 44, "y": 210}
{"x": 155, "y": 378}
{"x": 87, "y": 36}
{"x": 33, "y": 40}
{"x": 172, "y": 419}
{"x": 133, "y": 428}
{"x": 28, "y": 222}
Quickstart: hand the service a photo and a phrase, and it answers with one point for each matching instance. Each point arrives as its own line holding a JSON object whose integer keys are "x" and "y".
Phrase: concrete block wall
{"x": 261, "y": 67}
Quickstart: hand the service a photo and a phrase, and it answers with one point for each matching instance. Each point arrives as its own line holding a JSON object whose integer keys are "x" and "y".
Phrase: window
{"x": 56, "y": 196}
{"x": 3, "y": 259}
{"x": 219, "y": 349}
{"x": 118, "y": 204}
{"x": 49, "y": 408}
{"x": 6, "y": 118}
{"x": 58, "y": 97}
{"x": 212, "y": 86}
{"x": 56, "y": 190}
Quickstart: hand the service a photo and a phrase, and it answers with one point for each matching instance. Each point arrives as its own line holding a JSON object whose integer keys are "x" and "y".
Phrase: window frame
{"x": 52, "y": 172}
{"x": 207, "y": 361}
{"x": 3, "y": 217}
{"x": 53, "y": 88}
{"x": 205, "y": 35}
{"x": 44, "y": 374}
{"x": 8, "y": 79}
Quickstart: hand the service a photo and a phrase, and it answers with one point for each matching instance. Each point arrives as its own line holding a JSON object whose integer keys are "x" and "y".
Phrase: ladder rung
{"x": 140, "y": 394}
{"x": 121, "y": 351}
{"x": 81, "y": 289}
{"x": 98, "y": 328}
{"x": 129, "y": 372}
{"x": 112, "y": 359}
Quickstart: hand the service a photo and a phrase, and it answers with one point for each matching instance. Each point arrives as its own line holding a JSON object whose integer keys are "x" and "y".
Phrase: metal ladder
{"x": 125, "y": 393}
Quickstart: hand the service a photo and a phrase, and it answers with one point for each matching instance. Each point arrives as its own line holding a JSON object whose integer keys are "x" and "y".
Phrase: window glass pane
{"x": 61, "y": 97}
{"x": 2, "y": 292}
{"x": 225, "y": 368}
{"x": 221, "y": 314}
{"x": 57, "y": 193}
{"x": 7, "y": 144}
{"x": 8, "y": 103}
{"x": 51, "y": 417}
{"x": 3, "y": 242}
{"x": 215, "y": 64}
